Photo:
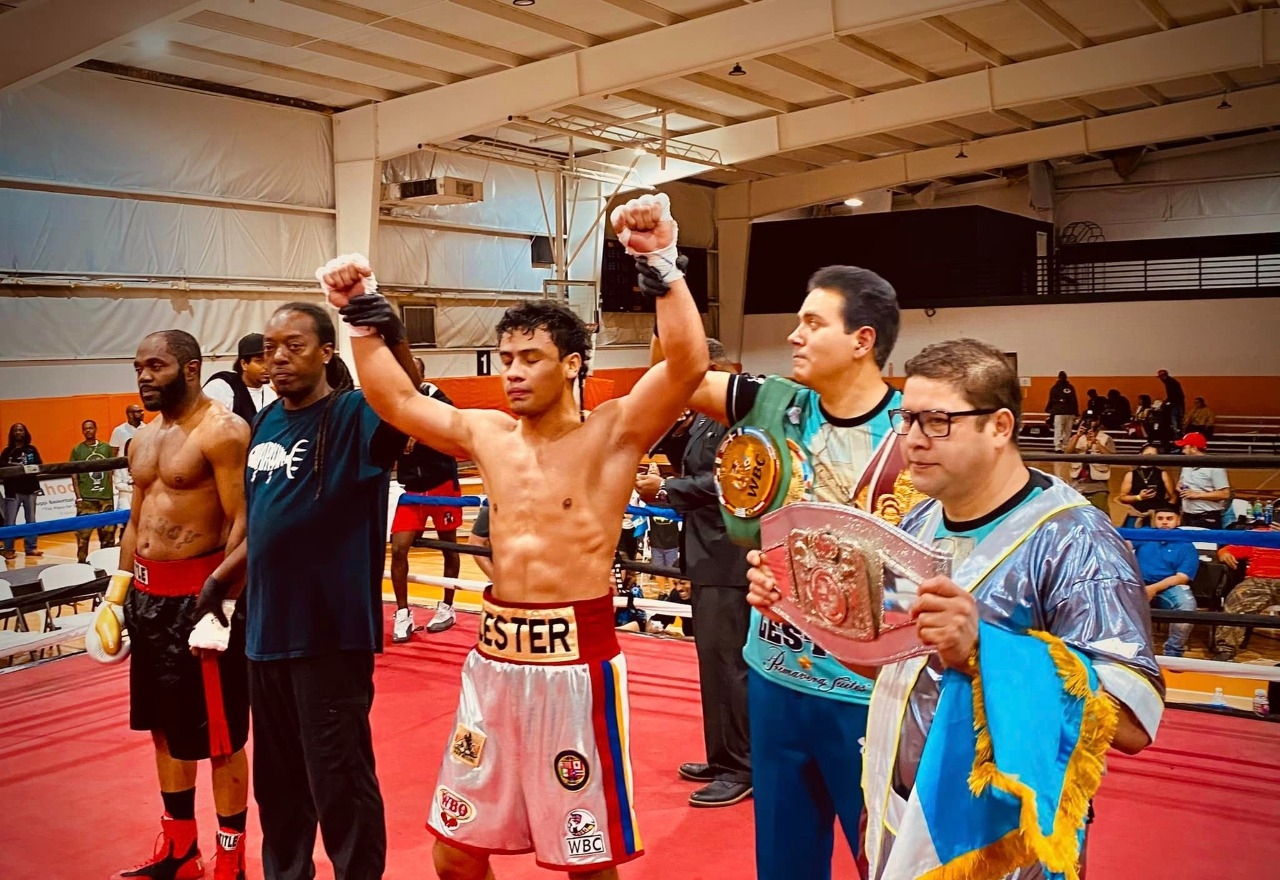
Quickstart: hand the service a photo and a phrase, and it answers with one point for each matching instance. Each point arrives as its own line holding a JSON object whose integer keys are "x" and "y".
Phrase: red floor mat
{"x": 81, "y": 800}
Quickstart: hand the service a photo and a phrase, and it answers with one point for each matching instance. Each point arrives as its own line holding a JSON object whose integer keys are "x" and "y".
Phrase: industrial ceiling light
{"x": 522, "y": 2}
{"x": 962, "y": 154}
{"x": 1225, "y": 105}
{"x": 737, "y": 71}
{"x": 854, "y": 202}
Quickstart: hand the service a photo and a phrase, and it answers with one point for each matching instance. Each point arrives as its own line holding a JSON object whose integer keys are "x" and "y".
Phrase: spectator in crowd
{"x": 1160, "y": 427}
{"x": 717, "y": 569}
{"x": 1093, "y": 405}
{"x": 1205, "y": 491}
{"x": 681, "y": 594}
{"x": 1139, "y": 425}
{"x": 1173, "y": 397}
{"x": 122, "y": 480}
{"x": 1093, "y": 481}
{"x": 20, "y": 492}
{"x": 1200, "y": 419}
{"x": 1116, "y": 411}
{"x": 1168, "y": 568}
{"x": 628, "y": 547}
{"x": 1063, "y": 408}
{"x": 1255, "y": 594}
{"x": 664, "y": 539}
{"x": 424, "y": 471}
{"x": 1146, "y": 489}
{"x": 245, "y": 389}
{"x": 93, "y": 490}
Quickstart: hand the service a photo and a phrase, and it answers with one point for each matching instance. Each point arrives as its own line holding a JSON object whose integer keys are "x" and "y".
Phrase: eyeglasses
{"x": 934, "y": 423}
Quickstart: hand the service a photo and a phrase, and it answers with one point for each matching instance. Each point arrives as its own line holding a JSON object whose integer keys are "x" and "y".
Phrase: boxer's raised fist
{"x": 646, "y": 229}
{"x": 344, "y": 277}
{"x": 645, "y": 225}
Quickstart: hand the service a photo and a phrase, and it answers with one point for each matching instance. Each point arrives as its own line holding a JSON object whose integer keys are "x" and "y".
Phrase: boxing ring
{"x": 1200, "y": 802}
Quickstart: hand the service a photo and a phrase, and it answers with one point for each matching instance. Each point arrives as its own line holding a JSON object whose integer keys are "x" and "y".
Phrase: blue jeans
{"x": 27, "y": 501}
{"x": 1176, "y": 599}
{"x": 806, "y": 766}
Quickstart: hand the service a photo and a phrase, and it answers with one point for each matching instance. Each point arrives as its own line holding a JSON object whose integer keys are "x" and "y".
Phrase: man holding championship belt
{"x": 538, "y": 760}
{"x": 982, "y": 758}
{"x": 188, "y": 683}
{"x": 823, "y": 437}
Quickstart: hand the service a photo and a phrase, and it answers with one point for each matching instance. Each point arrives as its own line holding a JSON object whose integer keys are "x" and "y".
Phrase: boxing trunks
{"x": 200, "y": 704}
{"x": 539, "y": 757}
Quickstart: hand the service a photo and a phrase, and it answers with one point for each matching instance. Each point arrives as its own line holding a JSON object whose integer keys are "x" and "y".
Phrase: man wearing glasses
{"x": 1029, "y": 553}
{"x": 829, "y": 432}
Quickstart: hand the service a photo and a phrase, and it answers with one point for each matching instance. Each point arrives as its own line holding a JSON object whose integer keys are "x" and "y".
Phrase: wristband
{"x": 118, "y": 588}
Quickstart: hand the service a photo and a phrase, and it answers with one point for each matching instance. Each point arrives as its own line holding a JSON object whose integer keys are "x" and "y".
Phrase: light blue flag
{"x": 1013, "y": 757}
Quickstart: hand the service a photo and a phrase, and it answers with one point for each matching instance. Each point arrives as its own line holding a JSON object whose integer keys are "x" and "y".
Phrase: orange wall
{"x": 54, "y": 423}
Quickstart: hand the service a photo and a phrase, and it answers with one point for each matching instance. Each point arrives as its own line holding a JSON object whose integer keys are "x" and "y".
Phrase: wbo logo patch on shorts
{"x": 454, "y": 809}
{"x": 583, "y": 837}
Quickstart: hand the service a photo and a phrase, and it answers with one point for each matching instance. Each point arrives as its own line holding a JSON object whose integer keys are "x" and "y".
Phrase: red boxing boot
{"x": 177, "y": 854}
{"x": 229, "y": 864}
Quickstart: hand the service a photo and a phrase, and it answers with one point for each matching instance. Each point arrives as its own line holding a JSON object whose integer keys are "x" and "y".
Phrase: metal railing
{"x": 1192, "y": 274}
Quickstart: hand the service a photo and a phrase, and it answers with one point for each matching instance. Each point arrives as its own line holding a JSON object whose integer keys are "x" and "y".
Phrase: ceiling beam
{"x": 721, "y": 38}
{"x": 1251, "y": 108}
{"x": 368, "y": 18}
{"x": 1016, "y": 118}
{"x": 277, "y": 71}
{"x": 1225, "y": 80}
{"x": 507, "y": 12}
{"x": 1239, "y": 7}
{"x": 954, "y": 130}
{"x": 707, "y": 81}
{"x": 251, "y": 30}
{"x": 39, "y": 39}
{"x": 817, "y": 77}
{"x": 892, "y": 141}
{"x": 948, "y": 28}
{"x": 1082, "y": 106}
{"x": 1230, "y": 43}
{"x": 658, "y": 102}
{"x": 888, "y": 59}
{"x": 1049, "y": 16}
{"x": 1158, "y": 14}
{"x": 1154, "y": 95}
{"x": 647, "y": 11}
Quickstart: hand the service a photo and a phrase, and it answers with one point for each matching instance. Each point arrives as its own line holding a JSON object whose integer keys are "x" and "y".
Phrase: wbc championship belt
{"x": 847, "y": 580}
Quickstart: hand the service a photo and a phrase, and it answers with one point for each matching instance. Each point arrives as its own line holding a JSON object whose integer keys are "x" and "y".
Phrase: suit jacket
{"x": 707, "y": 555}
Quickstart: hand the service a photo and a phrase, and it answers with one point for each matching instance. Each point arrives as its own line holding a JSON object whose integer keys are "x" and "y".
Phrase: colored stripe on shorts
{"x": 611, "y": 734}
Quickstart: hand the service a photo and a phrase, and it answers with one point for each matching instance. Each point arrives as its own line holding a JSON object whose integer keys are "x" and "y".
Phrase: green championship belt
{"x": 757, "y": 467}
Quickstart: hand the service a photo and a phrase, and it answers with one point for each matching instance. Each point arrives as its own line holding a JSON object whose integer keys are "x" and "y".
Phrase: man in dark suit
{"x": 717, "y": 568}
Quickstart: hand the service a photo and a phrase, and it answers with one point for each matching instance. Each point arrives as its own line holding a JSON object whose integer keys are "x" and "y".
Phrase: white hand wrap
{"x": 664, "y": 259}
{"x": 338, "y": 300}
{"x": 208, "y": 634}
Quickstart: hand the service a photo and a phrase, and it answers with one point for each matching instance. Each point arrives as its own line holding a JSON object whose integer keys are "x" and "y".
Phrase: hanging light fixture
{"x": 522, "y": 2}
{"x": 1225, "y": 105}
{"x": 737, "y": 71}
{"x": 853, "y": 202}
{"x": 962, "y": 154}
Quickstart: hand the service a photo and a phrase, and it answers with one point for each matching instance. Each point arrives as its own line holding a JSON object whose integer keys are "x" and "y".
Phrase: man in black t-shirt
{"x": 316, "y": 488}
{"x": 424, "y": 471}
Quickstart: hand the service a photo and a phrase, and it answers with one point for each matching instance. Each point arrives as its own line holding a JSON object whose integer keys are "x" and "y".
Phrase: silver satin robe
{"x": 1074, "y": 577}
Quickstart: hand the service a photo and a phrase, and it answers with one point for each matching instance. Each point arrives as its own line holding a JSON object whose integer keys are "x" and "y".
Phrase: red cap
{"x": 1195, "y": 439}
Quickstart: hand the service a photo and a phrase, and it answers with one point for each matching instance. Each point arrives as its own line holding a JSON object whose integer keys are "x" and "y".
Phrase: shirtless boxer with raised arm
{"x": 186, "y": 519}
{"x": 538, "y": 760}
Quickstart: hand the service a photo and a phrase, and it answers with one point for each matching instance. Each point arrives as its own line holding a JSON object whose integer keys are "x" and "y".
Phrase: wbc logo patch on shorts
{"x": 572, "y": 770}
{"x": 454, "y": 809}
{"x": 583, "y": 837}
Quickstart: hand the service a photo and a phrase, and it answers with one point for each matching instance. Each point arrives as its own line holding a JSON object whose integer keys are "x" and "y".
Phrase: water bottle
{"x": 1257, "y": 511}
{"x": 1219, "y": 699}
{"x": 1268, "y": 511}
{"x": 1261, "y": 705}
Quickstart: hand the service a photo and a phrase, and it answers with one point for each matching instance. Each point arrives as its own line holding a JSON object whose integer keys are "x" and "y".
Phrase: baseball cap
{"x": 1195, "y": 439}
{"x": 249, "y": 346}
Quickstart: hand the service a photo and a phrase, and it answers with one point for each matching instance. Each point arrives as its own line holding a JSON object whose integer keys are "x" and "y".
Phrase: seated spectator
{"x": 1093, "y": 481}
{"x": 1255, "y": 594}
{"x": 1146, "y": 489}
{"x": 1200, "y": 419}
{"x": 1160, "y": 425}
{"x": 681, "y": 592}
{"x": 1093, "y": 405}
{"x": 1143, "y": 411}
{"x": 1168, "y": 568}
{"x": 1116, "y": 411}
{"x": 1205, "y": 491}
